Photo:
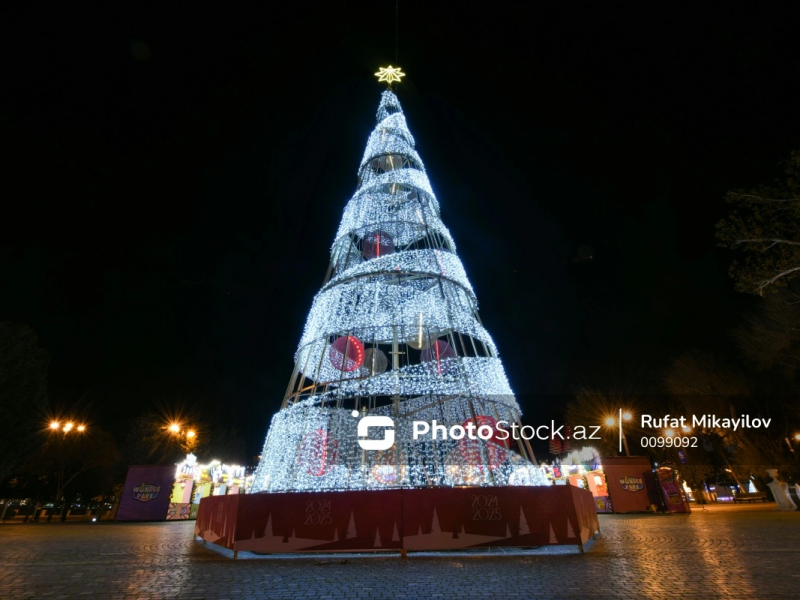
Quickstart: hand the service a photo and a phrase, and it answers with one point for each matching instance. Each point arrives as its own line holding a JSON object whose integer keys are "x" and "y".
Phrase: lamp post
{"x": 788, "y": 443}
{"x": 68, "y": 429}
{"x": 610, "y": 421}
{"x": 187, "y": 438}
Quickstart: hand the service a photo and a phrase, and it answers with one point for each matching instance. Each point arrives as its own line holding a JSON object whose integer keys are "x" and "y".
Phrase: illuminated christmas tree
{"x": 394, "y": 332}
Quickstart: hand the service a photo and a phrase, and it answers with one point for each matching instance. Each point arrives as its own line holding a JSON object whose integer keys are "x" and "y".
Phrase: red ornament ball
{"x": 346, "y": 353}
{"x": 376, "y": 244}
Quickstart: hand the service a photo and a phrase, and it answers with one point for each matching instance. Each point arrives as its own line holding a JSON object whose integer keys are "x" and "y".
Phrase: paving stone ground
{"x": 724, "y": 552}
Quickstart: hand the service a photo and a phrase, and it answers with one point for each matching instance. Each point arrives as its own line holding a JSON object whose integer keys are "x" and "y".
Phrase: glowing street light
{"x": 66, "y": 427}
{"x": 791, "y": 449}
{"x": 175, "y": 428}
{"x": 612, "y": 422}
{"x": 190, "y": 433}
{"x": 669, "y": 432}
{"x": 686, "y": 429}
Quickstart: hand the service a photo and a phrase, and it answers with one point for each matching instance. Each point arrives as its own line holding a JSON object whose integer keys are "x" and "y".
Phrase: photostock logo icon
{"x": 363, "y": 431}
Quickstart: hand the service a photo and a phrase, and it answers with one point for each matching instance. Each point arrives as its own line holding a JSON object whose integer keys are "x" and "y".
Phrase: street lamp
{"x": 788, "y": 443}
{"x": 66, "y": 429}
{"x": 186, "y": 438}
{"x": 612, "y": 422}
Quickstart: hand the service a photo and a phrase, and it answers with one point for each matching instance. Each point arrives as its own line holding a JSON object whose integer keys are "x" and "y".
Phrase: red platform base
{"x": 412, "y": 519}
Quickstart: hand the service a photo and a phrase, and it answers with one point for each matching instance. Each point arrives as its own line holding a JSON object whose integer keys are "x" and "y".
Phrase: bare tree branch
{"x": 774, "y": 240}
{"x": 772, "y": 280}
{"x": 754, "y": 197}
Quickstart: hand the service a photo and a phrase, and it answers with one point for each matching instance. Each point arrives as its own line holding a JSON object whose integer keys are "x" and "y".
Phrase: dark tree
{"x": 150, "y": 441}
{"x": 769, "y": 338}
{"x": 224, "y": 444}
{"x": 764, "y": 224}
{"x": 702, "y": 384}
{"x": 64, "y": 457}
{"x": 23, "y": 395}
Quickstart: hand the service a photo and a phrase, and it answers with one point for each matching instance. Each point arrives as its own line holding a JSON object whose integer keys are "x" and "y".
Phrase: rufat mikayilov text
{"x": 705, "y": 422}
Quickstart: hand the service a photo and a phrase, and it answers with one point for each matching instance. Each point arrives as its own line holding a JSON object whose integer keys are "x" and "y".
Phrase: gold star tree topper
{"x": 389, "y": 74}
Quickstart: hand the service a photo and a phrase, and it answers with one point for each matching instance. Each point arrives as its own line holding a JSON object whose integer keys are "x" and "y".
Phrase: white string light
{"x": 396, "y": 287}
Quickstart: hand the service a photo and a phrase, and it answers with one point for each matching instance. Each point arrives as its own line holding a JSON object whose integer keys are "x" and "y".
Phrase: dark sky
{"x": 174, "y": 177}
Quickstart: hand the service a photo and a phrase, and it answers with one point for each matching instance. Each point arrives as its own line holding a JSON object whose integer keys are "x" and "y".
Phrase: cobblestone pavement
{"x": 725, "y": 552}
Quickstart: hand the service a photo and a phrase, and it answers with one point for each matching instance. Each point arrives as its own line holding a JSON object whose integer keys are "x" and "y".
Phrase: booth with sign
{"x": 145, "y": 495}
{"x": 672, "y": 487}
{"x": 582, "y": 469}
{"x": 628, "y": 478}
{"x": 158, "y": 492}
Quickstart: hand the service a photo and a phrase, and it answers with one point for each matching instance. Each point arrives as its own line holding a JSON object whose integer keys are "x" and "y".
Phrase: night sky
{"x": 174, "y": 178}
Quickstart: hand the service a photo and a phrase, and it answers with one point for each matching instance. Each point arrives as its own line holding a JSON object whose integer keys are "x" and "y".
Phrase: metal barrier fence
{"x": 25, "y": 510}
